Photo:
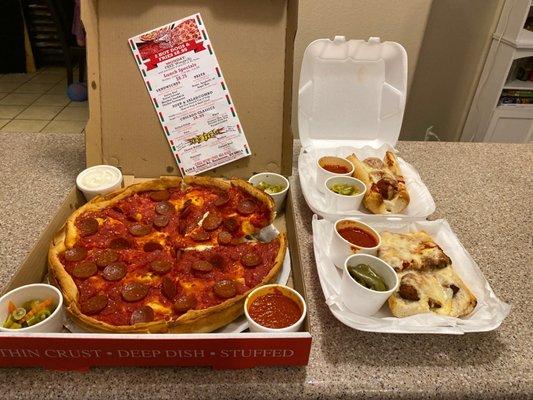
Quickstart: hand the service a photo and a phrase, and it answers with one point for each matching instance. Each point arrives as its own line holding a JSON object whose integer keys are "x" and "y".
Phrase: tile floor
{"x": 38, "y": 102}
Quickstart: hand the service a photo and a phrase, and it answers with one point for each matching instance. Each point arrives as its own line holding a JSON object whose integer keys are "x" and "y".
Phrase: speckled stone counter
{"x": 483, "y": 190}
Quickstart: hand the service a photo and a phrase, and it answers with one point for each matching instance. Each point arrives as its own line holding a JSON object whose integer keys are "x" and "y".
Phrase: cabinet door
{"x": 511, "y": 124}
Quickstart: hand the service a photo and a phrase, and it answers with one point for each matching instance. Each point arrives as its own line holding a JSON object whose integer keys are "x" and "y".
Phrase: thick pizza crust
{"x": 205, "y": 320}
{"x": 373, "y": 200}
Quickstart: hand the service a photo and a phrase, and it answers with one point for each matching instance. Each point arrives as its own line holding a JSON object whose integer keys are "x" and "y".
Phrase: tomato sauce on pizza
{"x": 155, "y": 255}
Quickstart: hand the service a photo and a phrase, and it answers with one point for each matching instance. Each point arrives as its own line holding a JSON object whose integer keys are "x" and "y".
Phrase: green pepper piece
{"x": 365, "y": 276}
{"x": 15, "y": 325}
{"x": 30, "y": 304}
{"x": 9, "y": 321}
{"x": 33, "y": 320}
{"x": 44, "y": 314}
{"x": 18, "y": 313}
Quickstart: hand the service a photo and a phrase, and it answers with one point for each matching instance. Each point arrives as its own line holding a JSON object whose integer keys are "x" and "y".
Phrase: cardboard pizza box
{"x": 254, "y": 44}
{"x": 123, "y": 130}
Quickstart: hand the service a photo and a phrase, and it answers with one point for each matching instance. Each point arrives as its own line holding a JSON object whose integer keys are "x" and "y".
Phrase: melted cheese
{"x": 147, "y": 278}
{"x": 248, "y": 228}
{"x": 159, "y": 308}
{"x": 413, "y": 248}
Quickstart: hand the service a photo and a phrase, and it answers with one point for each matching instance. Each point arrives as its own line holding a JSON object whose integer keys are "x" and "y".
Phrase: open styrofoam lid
{"x": 352, "y": 93}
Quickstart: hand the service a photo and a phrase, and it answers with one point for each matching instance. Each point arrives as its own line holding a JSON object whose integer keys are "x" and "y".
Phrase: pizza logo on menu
{"x": 204, "y": 137}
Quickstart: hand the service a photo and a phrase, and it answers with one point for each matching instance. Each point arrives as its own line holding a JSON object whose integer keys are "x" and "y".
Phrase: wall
{"x": 450, "y": 61}
{"x": 446, "y": 42}
{"x": 402, "y": 21}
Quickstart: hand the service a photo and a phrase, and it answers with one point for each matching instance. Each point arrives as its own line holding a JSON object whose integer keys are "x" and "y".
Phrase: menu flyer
{"x": 190, "y": 96}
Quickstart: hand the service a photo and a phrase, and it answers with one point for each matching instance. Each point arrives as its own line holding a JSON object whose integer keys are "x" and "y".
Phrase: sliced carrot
{"x": 11, "y": 306}
{"x": 40, "y": 306}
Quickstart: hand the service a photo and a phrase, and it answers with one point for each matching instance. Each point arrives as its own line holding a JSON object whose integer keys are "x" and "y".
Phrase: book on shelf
{"x": 515, "y": 100}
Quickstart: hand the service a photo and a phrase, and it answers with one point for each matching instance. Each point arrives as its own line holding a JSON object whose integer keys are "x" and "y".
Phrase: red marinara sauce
{"x": 358, "y": 236}
{"x": 274, "y": 310}
{"x": 336, "y": 169}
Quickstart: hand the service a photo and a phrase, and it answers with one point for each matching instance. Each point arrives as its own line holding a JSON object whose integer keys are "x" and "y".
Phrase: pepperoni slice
{"x": 168, "y": 288}
{"x": 164, "y": 208}
{"x": 160, "y": 267}
{"x": 138, "y": 229}
{"x": 88, "y": 226}
{"x": 160, "y": 195}
{"x": 161, "y": 220}
{"x": 75, "y": 254}
{"x": 231, "y": 224}
{"x": 246, "y": 206}
{"x": 152, "y": 246}
{"x": 202, "y": 265}
{"x": 142, "y": 315}
{"x": 84, "y": 270}
{"x": 94, "y": 305}
{"x": 251, "y": 258}
{"x": 115, "y": 271}
{"x": 185, "y": 303}
{"x": 212, "y": 221}
{"x": 120, "y": 243}
{"x": 217, "y": 260}
{"x": 106, "y": 257}
{"x": 225, "y": 289}
{"x": 199, "y": 235}
{"x": 222, "y": 199}
{"x": 224, "y": 237}
{"x": 134, "y": 291}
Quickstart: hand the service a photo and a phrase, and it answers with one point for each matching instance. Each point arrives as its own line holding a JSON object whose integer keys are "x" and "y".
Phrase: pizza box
{"x": 125, "y": 132}
{"x": 489, "y": 313}
{"x": 351, "y": 100}
{"x": 254, "y": 44}
{"x": 78, "y": 351}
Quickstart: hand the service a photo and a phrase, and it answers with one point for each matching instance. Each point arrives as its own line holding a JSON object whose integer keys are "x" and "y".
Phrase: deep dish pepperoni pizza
{"x": 166, "y": 255}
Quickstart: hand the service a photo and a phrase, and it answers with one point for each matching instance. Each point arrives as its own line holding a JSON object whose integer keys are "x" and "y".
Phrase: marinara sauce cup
{"x": 282, "y": 310}
{"x": 364, "y": 240}
{"x": 329, "y": 166}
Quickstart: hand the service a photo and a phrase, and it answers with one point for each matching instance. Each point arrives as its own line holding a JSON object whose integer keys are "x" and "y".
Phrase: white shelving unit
{"x": 487, "y": 121}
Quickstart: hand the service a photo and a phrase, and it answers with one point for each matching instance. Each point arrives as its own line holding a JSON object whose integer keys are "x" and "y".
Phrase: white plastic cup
{"x": 359, "y": 299}
{"x": 99, "y": 180}
{"x": 273, "y": 179}
{"x": 286, "y": 291}
{"x": 323, "y": 174}
{"x": 340, "y": 249}
{"x": 35, "y": 291}
{"x": 340, "y": 202}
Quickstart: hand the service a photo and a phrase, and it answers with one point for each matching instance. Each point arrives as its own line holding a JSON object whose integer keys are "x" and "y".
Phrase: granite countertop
{"x": 483, "y": 190}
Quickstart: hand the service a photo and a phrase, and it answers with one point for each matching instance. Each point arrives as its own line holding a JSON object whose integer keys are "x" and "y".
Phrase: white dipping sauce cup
{"x": 323, "y": 174}
{"x": 35, "y": 291}
{"x": 286, "y": 291}
{"x": 273, "y": 179}
{"x": 99, "y": 180}
{"x": 340, "y": 202}
{"x": 340, "y": 249}
{"x": 358, "y": 298}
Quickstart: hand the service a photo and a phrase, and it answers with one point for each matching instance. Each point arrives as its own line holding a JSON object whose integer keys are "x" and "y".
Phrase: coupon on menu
{"x": 190, "y": 96}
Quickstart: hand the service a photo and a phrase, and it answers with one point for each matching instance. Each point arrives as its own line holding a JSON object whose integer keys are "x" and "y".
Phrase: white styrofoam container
{"x": 488, "y": 314}
{"x": 352, "y": 99}
{"x": 420, "y": 206}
